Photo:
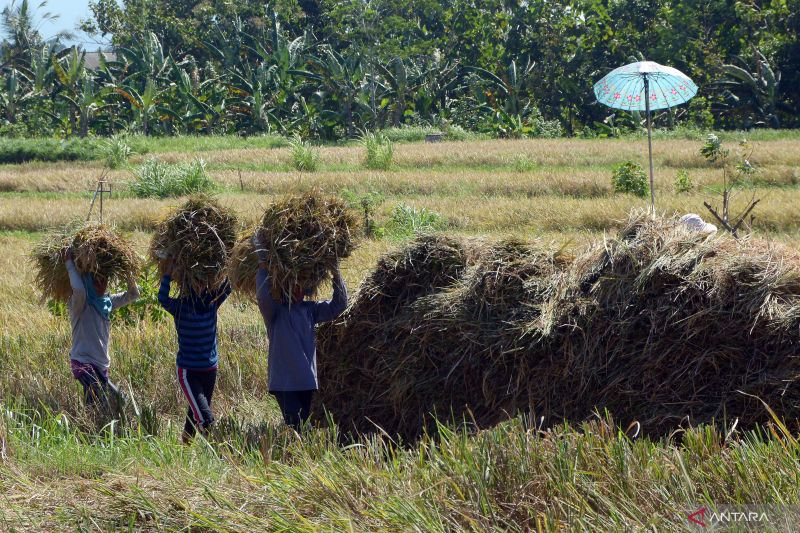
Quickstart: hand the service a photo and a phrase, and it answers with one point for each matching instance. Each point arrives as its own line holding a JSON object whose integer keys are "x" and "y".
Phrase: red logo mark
{"x": 698, "y": 517}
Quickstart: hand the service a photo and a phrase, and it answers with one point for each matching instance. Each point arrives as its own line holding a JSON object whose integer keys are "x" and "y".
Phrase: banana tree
{"x": 110, "y": 75}
{"x": 147, "y": 105}
{"x": 199, "y": 105}
{"x": 87, "y": 102}
{"x": 439, "y": 80}
{"x": 145, "y": 61}
{"x": 399, "y": 84}
{"x": 251, "y": 91}
{"x": 342, "y": 88}
{"x": 753, "y": 89}
{"x": 15, "y": 93}
{"x": 41, "y": 72}
{"x": 71, "y": 74}
{"x": 270, "y": 91}
{"x": 510, "y": 87}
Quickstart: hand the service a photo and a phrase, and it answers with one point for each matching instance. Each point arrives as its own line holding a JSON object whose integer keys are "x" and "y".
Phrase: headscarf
{"x": 102, "y": 303}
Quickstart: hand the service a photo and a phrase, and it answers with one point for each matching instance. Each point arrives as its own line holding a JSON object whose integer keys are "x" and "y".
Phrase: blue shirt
{"x": 292, "y": 361}
{"x": 196, "y": 325}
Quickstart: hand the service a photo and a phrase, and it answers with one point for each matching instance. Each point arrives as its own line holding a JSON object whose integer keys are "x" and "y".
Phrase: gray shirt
{"x": 90, "y": 331}
{"x": 292, "y": 361}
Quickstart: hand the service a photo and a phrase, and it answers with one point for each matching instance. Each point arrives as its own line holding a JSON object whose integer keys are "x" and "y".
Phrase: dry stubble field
{"x": 57, "y": 471}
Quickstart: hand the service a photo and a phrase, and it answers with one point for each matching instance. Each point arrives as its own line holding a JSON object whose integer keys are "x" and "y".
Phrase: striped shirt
{"x": 196, "y": 325}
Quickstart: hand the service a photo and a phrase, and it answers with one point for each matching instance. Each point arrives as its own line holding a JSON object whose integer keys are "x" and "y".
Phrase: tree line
{"x": 327, "y": 69}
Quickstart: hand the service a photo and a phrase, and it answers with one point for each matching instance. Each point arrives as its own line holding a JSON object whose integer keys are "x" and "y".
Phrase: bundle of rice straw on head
{"x": 97, "y": 249}
{"x": 198, "y": 238}
{"x": 303, "y": 237}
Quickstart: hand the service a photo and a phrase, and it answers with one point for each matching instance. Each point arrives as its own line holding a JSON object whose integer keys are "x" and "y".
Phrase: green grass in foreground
{"x": 512, "y": 477}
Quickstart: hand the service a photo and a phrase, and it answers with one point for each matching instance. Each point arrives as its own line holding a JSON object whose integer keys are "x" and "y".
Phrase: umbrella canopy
{"x": 645, "y": 86}
{"x": 624, "y": 87}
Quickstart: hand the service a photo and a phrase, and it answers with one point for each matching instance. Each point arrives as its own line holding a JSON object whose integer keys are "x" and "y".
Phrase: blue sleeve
{"x": 266, "y": 304}
{"x": 170, "y": 304}
{"x": 223, "y": 294}
{"x": 327, "y": 311}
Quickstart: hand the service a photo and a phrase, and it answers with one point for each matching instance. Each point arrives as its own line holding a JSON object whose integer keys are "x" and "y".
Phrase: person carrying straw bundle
{"x": 192, "y": 246}
{"x": 292, "y": 360}
{"x": 75, "y": 266}
{"x": 195, "y": 316}
{"x": 90, "y": 308}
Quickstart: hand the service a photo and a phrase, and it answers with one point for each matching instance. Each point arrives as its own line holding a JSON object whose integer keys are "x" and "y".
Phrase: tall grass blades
{"x": 305, "y": 157}
{"x": 117, "y": 152}
{"x": 156, "y": 179}
{"x": 379, "y": 151}
{"x": 407, "y": 220}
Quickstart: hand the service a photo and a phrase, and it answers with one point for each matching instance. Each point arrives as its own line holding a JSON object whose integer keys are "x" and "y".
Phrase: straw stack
{"x": 303, "y": 237}
{"x": 96, "y": 248}
{"x": 658, "y": 325}
{"x": 198, "y": 237}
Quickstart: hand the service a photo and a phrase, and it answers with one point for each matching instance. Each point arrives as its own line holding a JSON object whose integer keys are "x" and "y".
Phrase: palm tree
{"x": 20, "y": 23}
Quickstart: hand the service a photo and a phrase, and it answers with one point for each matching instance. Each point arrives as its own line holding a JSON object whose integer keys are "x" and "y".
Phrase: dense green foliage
{"x": 326, "y": 69}
{"x": 22, "y": 150}
{"x": 630, "y": 177}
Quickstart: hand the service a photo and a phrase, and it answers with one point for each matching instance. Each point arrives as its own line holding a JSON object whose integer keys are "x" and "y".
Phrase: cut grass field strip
{"x": 775, "y": 213}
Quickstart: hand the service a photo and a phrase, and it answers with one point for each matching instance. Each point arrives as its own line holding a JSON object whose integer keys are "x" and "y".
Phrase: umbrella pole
{"x": 649, "y": 144}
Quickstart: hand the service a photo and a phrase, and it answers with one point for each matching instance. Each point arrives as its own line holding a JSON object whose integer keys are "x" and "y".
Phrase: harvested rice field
{"x": 525, "y": 348}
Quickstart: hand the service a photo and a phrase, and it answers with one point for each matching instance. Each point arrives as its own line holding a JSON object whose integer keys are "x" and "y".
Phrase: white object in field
{"x": 161, "y": 254}
{"x": 694, "y": 222}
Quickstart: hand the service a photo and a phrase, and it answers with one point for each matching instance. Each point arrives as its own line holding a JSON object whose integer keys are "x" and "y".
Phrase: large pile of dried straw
{"x": 658, "y": 325}
{"x": 198, "y": 238}
{"x": 96, "y": 249}
{"x": 303, "y": 237}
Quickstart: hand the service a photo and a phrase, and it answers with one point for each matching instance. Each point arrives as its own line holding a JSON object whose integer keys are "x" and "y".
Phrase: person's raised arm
{"x": 326, "y": 311}
{"x": 129, "y": 296}
{"x": 266, "y": 304}
{"x": 223, "y": 293}
{"x": 170, "y": 304}
{"x": 78, "y": 289}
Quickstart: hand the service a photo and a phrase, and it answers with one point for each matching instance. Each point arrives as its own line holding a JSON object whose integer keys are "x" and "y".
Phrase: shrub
{"x": 629, "y": 177}
{"x": 407, "y": 220}
{"x": 304, "y": 157}
{"x": 541, "y": 127}
{"x": 146, "y": 307}
{"x": 522, "y": 163}
{"x": 712, "y": 150}
{"x": 157, "y": 179}
{"x": 366, "y": 203}
{"x": 380, "y": 151}
{"x": 683, "y": 182}
{"x": 117, "y": 151}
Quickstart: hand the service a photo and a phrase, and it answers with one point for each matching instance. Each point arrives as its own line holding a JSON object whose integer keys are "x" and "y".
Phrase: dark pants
{"x": 295, "y": 406}
{"x": 198, "y": 387}
{"x": 97, "y": 388}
